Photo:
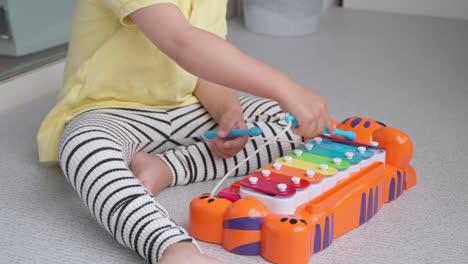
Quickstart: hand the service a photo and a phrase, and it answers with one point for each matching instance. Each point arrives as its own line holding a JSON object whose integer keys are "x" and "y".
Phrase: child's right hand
{"x": 310, "y": 110}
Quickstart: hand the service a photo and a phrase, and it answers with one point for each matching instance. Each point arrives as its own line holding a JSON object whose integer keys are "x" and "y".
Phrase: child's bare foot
{"x": 152, "y": 172}
{"x": 186, "y": 253}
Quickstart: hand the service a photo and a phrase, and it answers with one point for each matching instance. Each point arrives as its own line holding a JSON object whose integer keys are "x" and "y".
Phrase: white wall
{"x": 439, "y": 8}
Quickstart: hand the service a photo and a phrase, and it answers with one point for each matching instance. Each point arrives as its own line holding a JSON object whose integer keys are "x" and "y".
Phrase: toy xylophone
{"x": 295, "y": 207}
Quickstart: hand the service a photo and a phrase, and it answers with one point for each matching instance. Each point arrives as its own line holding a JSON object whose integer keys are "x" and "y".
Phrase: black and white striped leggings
{"x": 97, "y": 146}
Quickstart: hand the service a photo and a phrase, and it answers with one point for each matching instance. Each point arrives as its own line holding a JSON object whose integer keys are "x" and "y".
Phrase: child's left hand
{"x": 226, "y": 148}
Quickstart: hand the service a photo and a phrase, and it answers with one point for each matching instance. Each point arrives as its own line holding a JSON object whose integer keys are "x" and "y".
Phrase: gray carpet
{"x": 410, "y": 72}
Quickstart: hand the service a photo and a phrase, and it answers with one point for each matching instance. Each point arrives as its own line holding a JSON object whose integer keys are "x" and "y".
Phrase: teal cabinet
{"x": 27, "y": 26}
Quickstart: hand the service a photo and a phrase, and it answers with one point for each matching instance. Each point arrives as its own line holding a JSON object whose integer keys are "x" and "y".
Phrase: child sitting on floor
{"x": 143, "y": 80}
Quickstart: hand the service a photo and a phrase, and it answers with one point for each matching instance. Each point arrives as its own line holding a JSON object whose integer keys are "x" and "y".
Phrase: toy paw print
{"x": 293, "y": 220}
{"x": 286, "y": 233}
{"x": 209, "y": 198}
{"x": 206, "y": 213}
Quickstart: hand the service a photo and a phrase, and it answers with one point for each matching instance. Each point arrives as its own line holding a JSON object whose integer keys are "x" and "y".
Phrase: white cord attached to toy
{"x": 288, "y": 126}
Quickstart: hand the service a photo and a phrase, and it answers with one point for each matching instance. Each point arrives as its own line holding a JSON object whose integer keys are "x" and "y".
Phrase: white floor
{"x": 30, "y": 86}
{"x": 407, "y": 71}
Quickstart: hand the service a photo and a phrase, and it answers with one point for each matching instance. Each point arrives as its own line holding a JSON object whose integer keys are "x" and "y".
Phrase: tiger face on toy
{"x": 363, "y": 127}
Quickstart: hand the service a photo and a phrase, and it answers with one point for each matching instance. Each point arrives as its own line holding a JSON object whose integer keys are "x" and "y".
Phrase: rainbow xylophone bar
{"x": 296, "y": 206}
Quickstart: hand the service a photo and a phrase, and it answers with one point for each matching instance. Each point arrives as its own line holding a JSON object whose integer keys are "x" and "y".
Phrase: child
{"x": 144, "y": 79}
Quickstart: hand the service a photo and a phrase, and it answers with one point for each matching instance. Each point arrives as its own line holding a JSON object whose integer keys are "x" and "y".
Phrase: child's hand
{"x": 185, "y": 253}
{"x": 310, "y": 110}
{"x": 226, "y": 148}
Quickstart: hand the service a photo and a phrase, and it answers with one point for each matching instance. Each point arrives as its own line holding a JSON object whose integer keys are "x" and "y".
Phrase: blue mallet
{"x": 254, "y": 131}
{"x": 350, "y": 135}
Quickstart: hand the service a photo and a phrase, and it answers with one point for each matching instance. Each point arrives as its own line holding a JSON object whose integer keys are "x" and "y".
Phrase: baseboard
{"x": 26, "y": 87}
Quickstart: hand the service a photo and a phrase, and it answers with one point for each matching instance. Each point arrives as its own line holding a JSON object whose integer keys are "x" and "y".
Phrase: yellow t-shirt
{"x": 112, "y": 64}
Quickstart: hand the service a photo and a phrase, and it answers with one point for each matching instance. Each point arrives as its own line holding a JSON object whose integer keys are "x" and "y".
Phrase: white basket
{"x": 282, "y": 17}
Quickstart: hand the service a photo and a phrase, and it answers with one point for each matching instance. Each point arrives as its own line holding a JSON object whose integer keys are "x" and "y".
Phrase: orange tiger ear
{"x": 398, "y": 146}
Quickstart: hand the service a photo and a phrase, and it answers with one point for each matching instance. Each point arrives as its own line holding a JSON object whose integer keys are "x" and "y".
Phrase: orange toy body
{"x": 347, "y": 184}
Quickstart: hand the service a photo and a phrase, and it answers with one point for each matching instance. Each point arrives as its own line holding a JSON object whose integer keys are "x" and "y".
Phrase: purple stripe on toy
{"x": 370, "y": 205}
{"x": 391, "y": 192}
{"x": 356, "y": 122}
{"x": 348, "y": 142}
{"x": 326, "y": 233}
{"x": 399, "y": 184}
{"x": 317, "y": 239}
{"x": 333, "y": 228}
{"x": 362, "y": 215}
{"x": 244, "y": 223}
{"x": 404, "y": 179}
{"x": 248, "y": 249}
{"x": 376, "y": 200}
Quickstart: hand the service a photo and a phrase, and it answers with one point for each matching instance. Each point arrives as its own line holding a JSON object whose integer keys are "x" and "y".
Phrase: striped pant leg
{"x": 195, "y": 162}
{"x": 95, "y": 150}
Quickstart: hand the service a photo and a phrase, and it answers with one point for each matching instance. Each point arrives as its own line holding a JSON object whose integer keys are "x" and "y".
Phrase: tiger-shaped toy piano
{"x": 296, "y": 206}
